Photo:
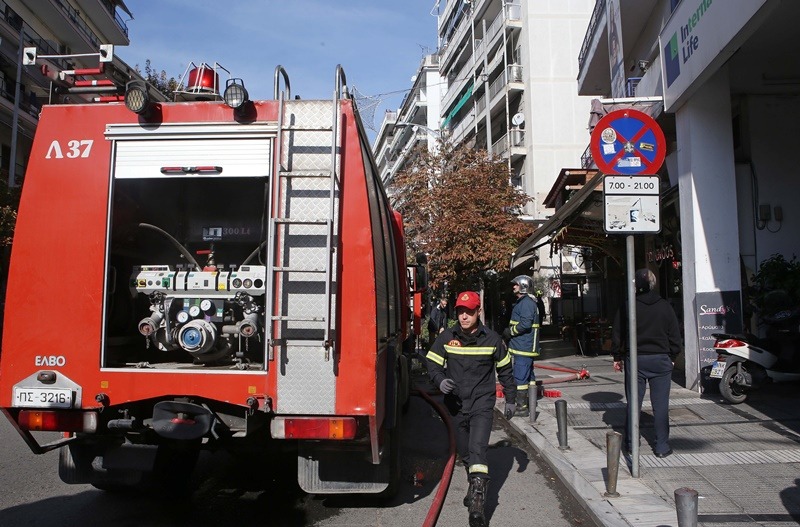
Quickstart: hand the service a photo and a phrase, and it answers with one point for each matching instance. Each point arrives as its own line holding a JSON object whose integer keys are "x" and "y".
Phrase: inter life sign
{"x": 698, "y": 38}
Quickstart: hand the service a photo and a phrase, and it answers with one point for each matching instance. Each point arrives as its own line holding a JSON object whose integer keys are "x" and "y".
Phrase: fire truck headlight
{"x": 136, "y": 98}
{"x": 235, "y": 93}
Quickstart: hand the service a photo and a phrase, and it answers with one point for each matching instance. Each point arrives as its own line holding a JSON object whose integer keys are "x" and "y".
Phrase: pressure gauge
{"x": 194, "y": 311}
{"x": 183, "y": 317}
{"x": 248, "y": 283}
{"x": 206, "y": 305}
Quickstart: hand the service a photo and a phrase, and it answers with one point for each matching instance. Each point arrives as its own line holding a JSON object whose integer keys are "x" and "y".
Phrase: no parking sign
{"x": 628, "y": 142}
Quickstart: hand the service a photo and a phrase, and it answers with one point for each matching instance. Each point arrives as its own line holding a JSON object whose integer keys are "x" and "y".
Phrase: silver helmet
{"x": 524, "y": 282}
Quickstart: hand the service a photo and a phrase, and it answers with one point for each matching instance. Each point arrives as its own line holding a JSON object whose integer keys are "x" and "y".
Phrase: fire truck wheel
{"x": 174, "y": 466}
{"x": 405, "y": 384}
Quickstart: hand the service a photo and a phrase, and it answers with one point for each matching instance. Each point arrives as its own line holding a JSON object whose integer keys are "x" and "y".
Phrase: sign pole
{"x": 629, "y": 147}
{"x": 633, "y": 362}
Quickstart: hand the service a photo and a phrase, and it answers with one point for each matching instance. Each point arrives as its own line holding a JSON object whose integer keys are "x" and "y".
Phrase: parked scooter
{"x": 746, "y": 362}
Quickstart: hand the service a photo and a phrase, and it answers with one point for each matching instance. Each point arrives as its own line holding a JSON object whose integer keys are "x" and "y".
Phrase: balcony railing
{"x": 586, "y": 158}
{"x": 27, "y": 104}
{"x": 76, "y": 19}
{"x": 500, "y": 146}
{"x": 497, "y": 85}
{"x": 118, "y": 19}
{"x": 597, "y": 13}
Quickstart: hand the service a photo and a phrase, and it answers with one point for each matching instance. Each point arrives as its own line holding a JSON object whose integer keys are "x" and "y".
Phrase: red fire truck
{"x": 223, "y": 274}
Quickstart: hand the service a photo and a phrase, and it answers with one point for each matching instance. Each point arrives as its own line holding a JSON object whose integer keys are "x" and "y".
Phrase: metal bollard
{"x": 533, "y": 397}
{"x": 686, "y": 505}
{"x": 613, "y": 448}
{"x": 561, "y": 418}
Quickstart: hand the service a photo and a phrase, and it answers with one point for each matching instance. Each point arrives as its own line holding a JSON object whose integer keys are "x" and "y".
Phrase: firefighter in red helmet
{"x": 462, "y": 363}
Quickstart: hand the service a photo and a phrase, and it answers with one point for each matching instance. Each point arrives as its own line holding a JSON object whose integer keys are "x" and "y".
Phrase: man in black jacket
{"x": 437, "y": 322}
{"x": 462, "y": 363}
{"x": 658, "y": 342}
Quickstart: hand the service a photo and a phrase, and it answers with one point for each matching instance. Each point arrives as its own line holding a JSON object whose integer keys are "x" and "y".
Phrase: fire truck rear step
{"x": 340, "y": 472}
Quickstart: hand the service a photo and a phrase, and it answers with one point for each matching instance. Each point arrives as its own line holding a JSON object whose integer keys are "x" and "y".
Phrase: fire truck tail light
{"x": 58, "y": 421}
{"x": 313, "y": 428}
{"x": 137, "y": 99}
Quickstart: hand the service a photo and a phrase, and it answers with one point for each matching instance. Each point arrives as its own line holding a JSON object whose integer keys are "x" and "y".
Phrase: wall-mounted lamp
{"x": 766, "y": 214}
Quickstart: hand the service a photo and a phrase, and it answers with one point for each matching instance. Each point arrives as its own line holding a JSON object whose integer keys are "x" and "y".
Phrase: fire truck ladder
{"x": 103, "y": 80}
{"x": 301, "y": 256}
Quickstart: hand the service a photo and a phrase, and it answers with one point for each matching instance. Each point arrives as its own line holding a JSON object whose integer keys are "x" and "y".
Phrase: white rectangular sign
{"x": 632, "y": 204}
{"x": 648, "y": 185}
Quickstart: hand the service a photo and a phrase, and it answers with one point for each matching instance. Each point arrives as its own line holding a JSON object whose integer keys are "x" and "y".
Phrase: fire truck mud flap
{"x": 338, "y": 472}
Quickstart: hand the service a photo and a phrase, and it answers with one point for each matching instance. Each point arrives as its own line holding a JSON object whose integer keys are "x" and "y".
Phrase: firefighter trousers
{"x": 472, "y": 436}
{"x": 523, "y": 377}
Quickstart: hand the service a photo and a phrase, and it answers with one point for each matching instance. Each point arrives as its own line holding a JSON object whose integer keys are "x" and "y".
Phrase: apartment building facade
{"x": 415, "y": 123}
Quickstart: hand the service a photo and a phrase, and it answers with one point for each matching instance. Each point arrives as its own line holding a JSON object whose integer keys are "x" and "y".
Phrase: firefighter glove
{"x": 507, "y": 334}
{"x": 447, "y": 386}
{"x": 509, "y": 409}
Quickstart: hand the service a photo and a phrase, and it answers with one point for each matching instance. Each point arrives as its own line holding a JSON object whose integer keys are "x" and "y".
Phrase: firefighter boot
{"x": 478, "y": 487}
{"x": 470, "y": 490}
{"x": 522, "y": 407}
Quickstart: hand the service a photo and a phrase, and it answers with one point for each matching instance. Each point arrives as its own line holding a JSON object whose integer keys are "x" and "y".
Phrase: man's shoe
{"x": 664, "y": 454}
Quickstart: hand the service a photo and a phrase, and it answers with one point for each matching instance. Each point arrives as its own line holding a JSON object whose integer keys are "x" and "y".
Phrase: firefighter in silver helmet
{"x": 522, "y": 335}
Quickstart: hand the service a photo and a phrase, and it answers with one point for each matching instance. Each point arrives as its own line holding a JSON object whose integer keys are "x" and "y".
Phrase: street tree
{"x": 159, "y": 79}
{"x": 461, "y": 210}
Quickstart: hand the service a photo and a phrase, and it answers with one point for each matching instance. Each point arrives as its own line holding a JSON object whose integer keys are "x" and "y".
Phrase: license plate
{"x": 43, "y": 397}
{"x": 717, "y": 370}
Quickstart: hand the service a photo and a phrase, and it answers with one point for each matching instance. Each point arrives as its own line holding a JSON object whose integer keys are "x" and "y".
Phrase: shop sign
{"x": 717, "y": 312}
{"x": 658, "y": 254}
{"x": 699, "y": 37}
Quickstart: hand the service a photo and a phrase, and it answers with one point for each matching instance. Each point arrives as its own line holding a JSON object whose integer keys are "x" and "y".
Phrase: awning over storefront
{"x": 564, "y": 216}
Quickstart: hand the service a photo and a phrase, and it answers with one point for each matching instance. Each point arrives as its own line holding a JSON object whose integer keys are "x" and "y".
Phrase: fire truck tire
{"x": 72, "y": 470}
{"x": 174, "y": 466}
{"x": 405, "y": 385}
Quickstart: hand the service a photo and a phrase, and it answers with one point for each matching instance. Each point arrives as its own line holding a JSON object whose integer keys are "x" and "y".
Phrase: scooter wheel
{"x": 731, "y": 390}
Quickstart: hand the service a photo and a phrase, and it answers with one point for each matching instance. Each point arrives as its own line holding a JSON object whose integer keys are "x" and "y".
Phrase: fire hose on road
{"x": 574, "y": 375}
{"x": 447, "y": 473}
{"x": 444, "y": 483}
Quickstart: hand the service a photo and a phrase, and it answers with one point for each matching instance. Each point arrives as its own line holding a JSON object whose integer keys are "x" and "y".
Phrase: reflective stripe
{"x": 438, "y": 359}
{"x": 505, "y": 360}
{"x": 524, "y": 353}
{"x": 458, "y": 350}
{"x": 482, "y": 469}
{"x": 513, "y": 324}
{"x": 522, "y": 387}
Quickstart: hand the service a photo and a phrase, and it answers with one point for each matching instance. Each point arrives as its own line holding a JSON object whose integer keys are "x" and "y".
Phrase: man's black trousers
{"x": 472, "y": 436}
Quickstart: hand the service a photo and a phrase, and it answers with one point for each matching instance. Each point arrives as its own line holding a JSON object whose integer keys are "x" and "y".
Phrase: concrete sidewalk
{"x": 743, "y": 460}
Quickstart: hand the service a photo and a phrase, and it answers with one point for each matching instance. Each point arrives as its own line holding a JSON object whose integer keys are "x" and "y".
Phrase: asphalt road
{"x": 523, "y": 490}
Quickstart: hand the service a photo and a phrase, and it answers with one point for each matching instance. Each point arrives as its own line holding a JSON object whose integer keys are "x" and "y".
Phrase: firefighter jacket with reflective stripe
{"x": 471, "y": 360}
{"x": 524, "y": 326}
